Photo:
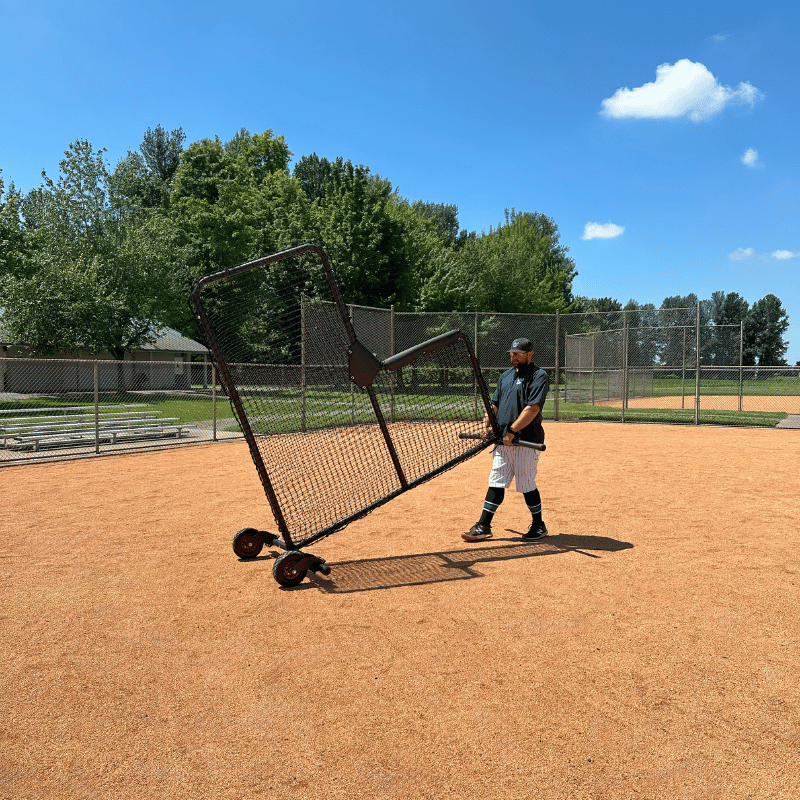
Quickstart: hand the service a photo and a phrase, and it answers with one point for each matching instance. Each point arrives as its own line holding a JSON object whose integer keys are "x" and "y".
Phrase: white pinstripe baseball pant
{"x": 514, "y": 462}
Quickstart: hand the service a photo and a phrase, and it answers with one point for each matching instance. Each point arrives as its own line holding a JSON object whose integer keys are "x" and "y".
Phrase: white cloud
{"x": 750, "y": 158}
{"x": 596, "y": 230}
{"x": 744, "y": 253}
{"x": 682, "y": 89}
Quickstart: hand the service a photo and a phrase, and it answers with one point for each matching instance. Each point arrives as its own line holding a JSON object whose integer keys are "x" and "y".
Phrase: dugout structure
{"x": 324, "y": 447}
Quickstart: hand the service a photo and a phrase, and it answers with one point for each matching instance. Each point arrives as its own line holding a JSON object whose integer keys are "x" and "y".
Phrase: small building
{"x": 164, "y": 364}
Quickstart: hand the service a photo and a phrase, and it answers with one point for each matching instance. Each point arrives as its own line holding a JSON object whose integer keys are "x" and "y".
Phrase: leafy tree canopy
{"x": 519, "y": 267}
{"x": 145, "y": 177}
{"x": 89, "y": 280}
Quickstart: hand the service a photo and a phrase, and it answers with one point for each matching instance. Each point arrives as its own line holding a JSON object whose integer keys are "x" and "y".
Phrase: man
{"x": 517, "y": 403}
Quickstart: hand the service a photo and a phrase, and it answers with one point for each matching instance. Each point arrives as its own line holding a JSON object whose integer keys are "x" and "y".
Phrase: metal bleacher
{"x": 76, "y": 426}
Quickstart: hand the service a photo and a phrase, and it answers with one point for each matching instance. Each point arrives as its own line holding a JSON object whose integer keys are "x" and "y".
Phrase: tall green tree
{"x": 443, "y": 216}
{"x": 12, "y": 239}
{"x": 766, "y": 324}
{"x": 644, "y": 344}
{"x": 90, "y": 280}
{"x": 234, "y": 201}
{"x": 596, "y": 314}
{"x": 519, "y": 267}
{"x": 677, "y": 334}
{"x": 357, "y": 225}
{"x": 316, "y": 175}
{"x": 729, "y": 313}
{"x": 145, "y": 176}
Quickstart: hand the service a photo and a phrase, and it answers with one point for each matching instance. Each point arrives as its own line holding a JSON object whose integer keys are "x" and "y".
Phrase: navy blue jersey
{"x": 519, "y": 388}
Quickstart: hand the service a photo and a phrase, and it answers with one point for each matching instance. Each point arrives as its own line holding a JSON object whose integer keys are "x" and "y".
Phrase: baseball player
{"x": 517, "y": 402}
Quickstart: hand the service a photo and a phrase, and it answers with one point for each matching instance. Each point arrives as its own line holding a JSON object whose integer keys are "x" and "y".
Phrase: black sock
{"x": 493, "y": 499}
{"x": 534, "y": 502}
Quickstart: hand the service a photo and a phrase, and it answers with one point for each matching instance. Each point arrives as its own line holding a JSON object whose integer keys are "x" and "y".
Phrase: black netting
{"x": 282, "y": 341}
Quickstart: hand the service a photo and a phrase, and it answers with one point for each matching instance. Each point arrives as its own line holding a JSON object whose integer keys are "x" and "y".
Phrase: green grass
{"x": 668, "y": 387}
{"x": 328, "y": 408}
{"x": 578, "y": 411}
{"x": 186, "y": 409}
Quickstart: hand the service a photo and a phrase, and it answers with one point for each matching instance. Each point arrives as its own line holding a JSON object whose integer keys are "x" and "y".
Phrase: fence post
{"x": 214, "y": 399}
{"x": 624, "y": 387}
{"x": 741, "y": 362}
{"x": 96, "y": 410}
{"x": 303, "y": 363}
{"x": 557, "y": 365}
{"x": 697, "y": 375}
{"x": 478, "y": 362}
{"x": 391, "y": 353}
{"x": 683, "y": 370}
{"x": 592, "y": 338}
{"x": 352, "y": 396}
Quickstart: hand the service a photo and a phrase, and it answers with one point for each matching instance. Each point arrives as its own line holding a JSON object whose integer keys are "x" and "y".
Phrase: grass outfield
{"x": 771, "y": 386}
{"x": 686, "y": 416}
{"x": 326, "y": 408}
{"x": 668, "y": 387}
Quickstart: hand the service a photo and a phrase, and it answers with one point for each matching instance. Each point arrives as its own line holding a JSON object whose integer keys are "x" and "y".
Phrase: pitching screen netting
{"x": 282, "y": 340}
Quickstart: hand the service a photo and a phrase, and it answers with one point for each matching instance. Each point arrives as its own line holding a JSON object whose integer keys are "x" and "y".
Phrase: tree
{"x": 728, "y": 309}
{"x": 678, "y": 330}
{"x": 90, "y": 281}
{"x": 519, "y": 267}
{"x": 729, "y": 314}
{"x": 444, "y": 218}
{"x": 232, "y": 202}
{"x": 597, "y": 305}
{"x": 596, "y": 314}
{"x": 12, "y": 248}
{"x": 358, "y": 225}
{"x": 766, "y": 324}
{"x": 145, "y": 177}
{"x": 644, "y": 341}
{"x": 315, "y": 175}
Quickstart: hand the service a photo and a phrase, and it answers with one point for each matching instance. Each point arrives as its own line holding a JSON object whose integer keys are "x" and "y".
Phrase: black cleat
{"x": 538, "y": 530}
{"x": 477, "y": 533}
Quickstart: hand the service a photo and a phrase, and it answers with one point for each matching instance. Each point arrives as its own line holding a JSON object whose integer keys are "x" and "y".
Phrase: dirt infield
{"x": 711, "y": 402}
{"x": 648, "y": 648}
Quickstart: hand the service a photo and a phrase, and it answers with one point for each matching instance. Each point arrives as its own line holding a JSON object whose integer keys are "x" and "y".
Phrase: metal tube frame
{"x": 391, "y": 364}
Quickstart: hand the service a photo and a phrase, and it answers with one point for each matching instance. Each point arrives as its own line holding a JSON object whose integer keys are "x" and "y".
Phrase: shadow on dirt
{"x": 453, "y": 565}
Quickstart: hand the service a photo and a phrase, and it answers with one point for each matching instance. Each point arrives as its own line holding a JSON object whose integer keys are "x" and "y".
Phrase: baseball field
{"x": 648, "y": 648}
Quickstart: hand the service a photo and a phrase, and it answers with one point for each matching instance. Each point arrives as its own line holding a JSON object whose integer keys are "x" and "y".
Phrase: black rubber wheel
{"x": 285, "y": 571}
{"x": 248, "y": 543}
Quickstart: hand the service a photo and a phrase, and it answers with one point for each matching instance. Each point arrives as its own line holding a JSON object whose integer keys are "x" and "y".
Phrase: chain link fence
{"x": 60, "y": 408}
{"x": 636, "y": 366}
{"x": 648, "y": 365}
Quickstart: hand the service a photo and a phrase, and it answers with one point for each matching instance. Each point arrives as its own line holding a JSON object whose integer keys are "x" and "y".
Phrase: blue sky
{"x": 670, "y": 129}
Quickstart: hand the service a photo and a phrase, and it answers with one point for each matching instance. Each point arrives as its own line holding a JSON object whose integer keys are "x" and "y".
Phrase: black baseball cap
{"x": 520, "y": 346}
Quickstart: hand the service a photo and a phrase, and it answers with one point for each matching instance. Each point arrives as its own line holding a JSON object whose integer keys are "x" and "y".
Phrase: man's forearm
{"x": 527, "y": 415}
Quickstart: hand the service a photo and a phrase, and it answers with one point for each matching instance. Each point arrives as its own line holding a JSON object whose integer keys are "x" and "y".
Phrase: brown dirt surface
{"x": 647, "y": 648}
{"x": 715, "y": 402}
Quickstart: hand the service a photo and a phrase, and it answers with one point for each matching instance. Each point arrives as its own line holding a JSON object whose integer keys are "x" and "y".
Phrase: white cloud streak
{"x": 750, "y": 158}
{"x": 682, "y": 89}
{"x": 743, "y": 253}
{"x": 596, "y": 230}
